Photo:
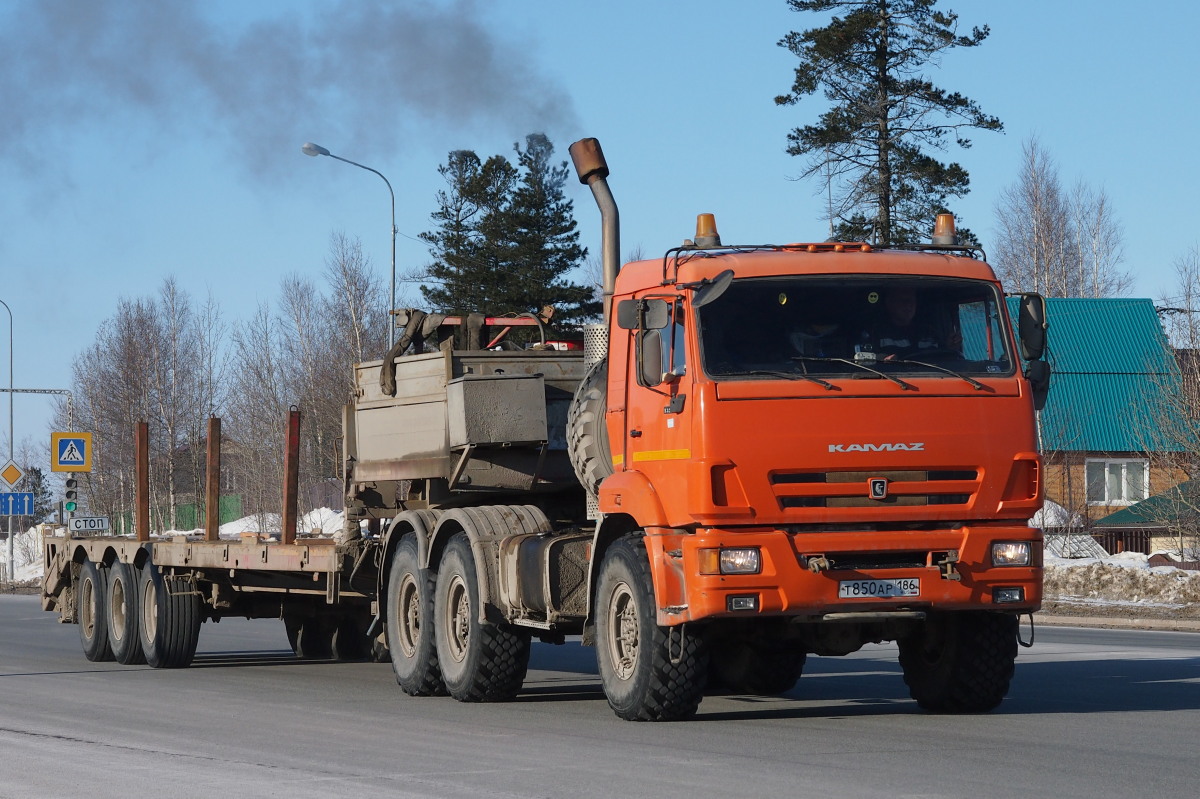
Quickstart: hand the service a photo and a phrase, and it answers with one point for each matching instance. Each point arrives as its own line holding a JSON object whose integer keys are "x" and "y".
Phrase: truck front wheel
{"x": 480, "y": 662}
{"x": 960, "y": 662}
{"x": 649, "y": 673}
{"x": 409, "y": 625}
{"x": 90, "y": 593}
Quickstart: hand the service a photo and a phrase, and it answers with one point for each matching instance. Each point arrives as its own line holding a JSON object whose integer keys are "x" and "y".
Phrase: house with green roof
{"x": 1114, "y": 430}
{"x": 1165, "y": 522}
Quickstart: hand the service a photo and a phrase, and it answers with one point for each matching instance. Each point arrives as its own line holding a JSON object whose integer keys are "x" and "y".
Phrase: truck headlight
{"x": 1010, "y": 553}
{"x": 741, "y": 560}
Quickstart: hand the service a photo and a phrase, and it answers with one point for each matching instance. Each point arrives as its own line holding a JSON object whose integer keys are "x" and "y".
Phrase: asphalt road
{"x": 1092, "y": 713}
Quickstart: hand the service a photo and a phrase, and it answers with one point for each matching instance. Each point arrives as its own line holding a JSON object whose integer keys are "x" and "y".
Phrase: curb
{"x": 1119, "y": 623}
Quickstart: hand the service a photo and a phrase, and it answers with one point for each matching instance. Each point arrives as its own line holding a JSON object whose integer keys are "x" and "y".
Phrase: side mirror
{"x": 642, "y": 314}
{"x": 650, "y": 358}
{"x": 1038, "y": 375}
{"x": 1031, "y": 326}
{"x": 713, "y": 289}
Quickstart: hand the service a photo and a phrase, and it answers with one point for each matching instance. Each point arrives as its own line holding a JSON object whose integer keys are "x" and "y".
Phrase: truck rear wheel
{"x": 649, "y": 673}
{"x": 123, "y": 613}
{"x": 169, "y": 626}
{"x": 90, "y": 593}
{"x": 480, "y": 662}
{"x": 960, "y": 662}
{"x": 409, "y": 627}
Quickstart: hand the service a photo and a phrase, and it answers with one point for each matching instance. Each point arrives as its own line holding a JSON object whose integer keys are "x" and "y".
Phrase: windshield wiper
{"x": 978, "y": 386}
{"x": 902, "y": 383}
{"x": 785, "y": 376}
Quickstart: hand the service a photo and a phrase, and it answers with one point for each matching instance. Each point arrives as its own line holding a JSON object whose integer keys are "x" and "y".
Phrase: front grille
{"x": 851, "y": 489}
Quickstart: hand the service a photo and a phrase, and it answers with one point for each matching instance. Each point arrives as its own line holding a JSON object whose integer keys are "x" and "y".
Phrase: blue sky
{"x": 147, "y": 139}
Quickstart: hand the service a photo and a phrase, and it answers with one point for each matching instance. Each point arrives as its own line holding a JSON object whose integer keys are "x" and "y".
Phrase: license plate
{"x": 879, "y": 589}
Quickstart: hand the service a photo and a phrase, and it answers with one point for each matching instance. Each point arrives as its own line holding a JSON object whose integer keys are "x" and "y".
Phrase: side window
{"x": 982, "y": 334}
{"x": 661, "y": 352}
{"x": 673, "y": 360}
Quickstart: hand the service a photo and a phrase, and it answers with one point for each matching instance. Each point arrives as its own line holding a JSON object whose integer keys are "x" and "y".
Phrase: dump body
{"x": 473, "y": 423}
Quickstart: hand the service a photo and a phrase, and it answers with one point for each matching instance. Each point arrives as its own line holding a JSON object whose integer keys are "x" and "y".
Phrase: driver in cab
{"x": 901, "y": 332}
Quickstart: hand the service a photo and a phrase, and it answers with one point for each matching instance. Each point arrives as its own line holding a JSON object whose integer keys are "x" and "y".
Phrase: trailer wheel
{"x": 311, "y": 637}
{"x": 409, "y": 627}
{"x": 349, "y": 640}
{"x": 649, "y": 673}
{"x": 123, "y": 613}
{"x": 587, "y": 437}
{"x": 480, "y": 662}
{"x": 169, "y": 626}
{"x": 90, "y": 593}
{"x": 960, "y": 662}
{"x": 755, "y": 668}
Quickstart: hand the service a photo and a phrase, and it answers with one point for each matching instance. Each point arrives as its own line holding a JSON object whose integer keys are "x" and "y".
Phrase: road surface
{"x": 1092, "y": 713}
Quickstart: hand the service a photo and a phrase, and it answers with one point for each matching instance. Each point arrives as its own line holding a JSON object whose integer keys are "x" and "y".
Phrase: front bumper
{"x": 953, "y": 567}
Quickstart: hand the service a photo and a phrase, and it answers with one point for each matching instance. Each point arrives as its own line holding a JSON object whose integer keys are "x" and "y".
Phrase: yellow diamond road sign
{"x": 70, "y": 452}
{"x": 11, "y": 474}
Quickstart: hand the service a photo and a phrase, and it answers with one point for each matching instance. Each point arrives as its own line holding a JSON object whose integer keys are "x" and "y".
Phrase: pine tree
{"x": 506, "y": 237}
{"x": 44, "y": 501}
{"x": 465, "y": 265}
{"x": 871, "y": 149}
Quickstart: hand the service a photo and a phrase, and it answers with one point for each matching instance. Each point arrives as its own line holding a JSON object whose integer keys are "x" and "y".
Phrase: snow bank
{"x": 1054, "y": 515}
{"x": 1127, "y": 577}
{"x": 322, "y": 521}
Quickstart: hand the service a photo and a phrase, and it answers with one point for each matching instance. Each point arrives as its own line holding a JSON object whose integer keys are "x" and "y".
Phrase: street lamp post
{"x": 12, "y": 566}
{"x": 314, "y": 150}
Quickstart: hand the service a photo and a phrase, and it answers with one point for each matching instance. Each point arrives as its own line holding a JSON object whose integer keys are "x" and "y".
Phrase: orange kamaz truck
{"x": 767, "y": 451}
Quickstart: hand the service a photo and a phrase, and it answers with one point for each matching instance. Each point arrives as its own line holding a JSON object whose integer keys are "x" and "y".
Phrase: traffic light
{"x": 71, "y": 494}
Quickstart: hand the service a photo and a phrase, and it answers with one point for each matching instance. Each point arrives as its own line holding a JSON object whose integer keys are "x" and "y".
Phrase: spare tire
{"x": 587, "y": 436}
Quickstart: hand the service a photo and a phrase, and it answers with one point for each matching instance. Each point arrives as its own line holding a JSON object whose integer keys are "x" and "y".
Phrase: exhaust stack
{"x": 593, "y": 171}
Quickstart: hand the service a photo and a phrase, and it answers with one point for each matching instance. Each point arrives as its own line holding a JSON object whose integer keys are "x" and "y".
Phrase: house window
{"x": 1117, "y": 482}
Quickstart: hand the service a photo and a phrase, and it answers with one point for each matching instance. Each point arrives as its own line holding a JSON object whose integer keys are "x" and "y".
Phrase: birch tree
{"x": 1057, "y": 243}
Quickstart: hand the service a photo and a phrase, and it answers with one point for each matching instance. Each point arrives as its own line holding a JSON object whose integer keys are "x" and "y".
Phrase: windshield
{"x": 854, "y": 326}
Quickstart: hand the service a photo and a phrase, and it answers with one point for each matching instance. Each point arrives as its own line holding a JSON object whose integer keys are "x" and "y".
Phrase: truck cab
{"x": 780, "y": 424}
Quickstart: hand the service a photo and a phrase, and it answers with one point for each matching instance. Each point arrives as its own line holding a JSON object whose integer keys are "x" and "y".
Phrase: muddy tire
{"x": 960, "y": 662}
{"x": 649, "y": 673}
{"x": 91, "y": 594}
{"x": 170, "y": 618}
{"x": 480, "y": 662}
{"x": 409, "y": 627}
{"x": 587, "y": 436}
{"x": 123, "y": 611}
{"x": 755, "y": 668}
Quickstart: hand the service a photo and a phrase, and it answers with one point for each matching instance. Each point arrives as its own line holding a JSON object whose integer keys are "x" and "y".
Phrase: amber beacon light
{"x": 943, "y": 230}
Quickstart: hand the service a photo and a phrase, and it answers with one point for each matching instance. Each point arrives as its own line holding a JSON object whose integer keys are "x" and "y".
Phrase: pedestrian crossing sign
{"x": 70, "y": 452}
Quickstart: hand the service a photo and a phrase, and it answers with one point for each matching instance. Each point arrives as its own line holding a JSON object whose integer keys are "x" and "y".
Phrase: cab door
{"x": 658, "y": 386}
